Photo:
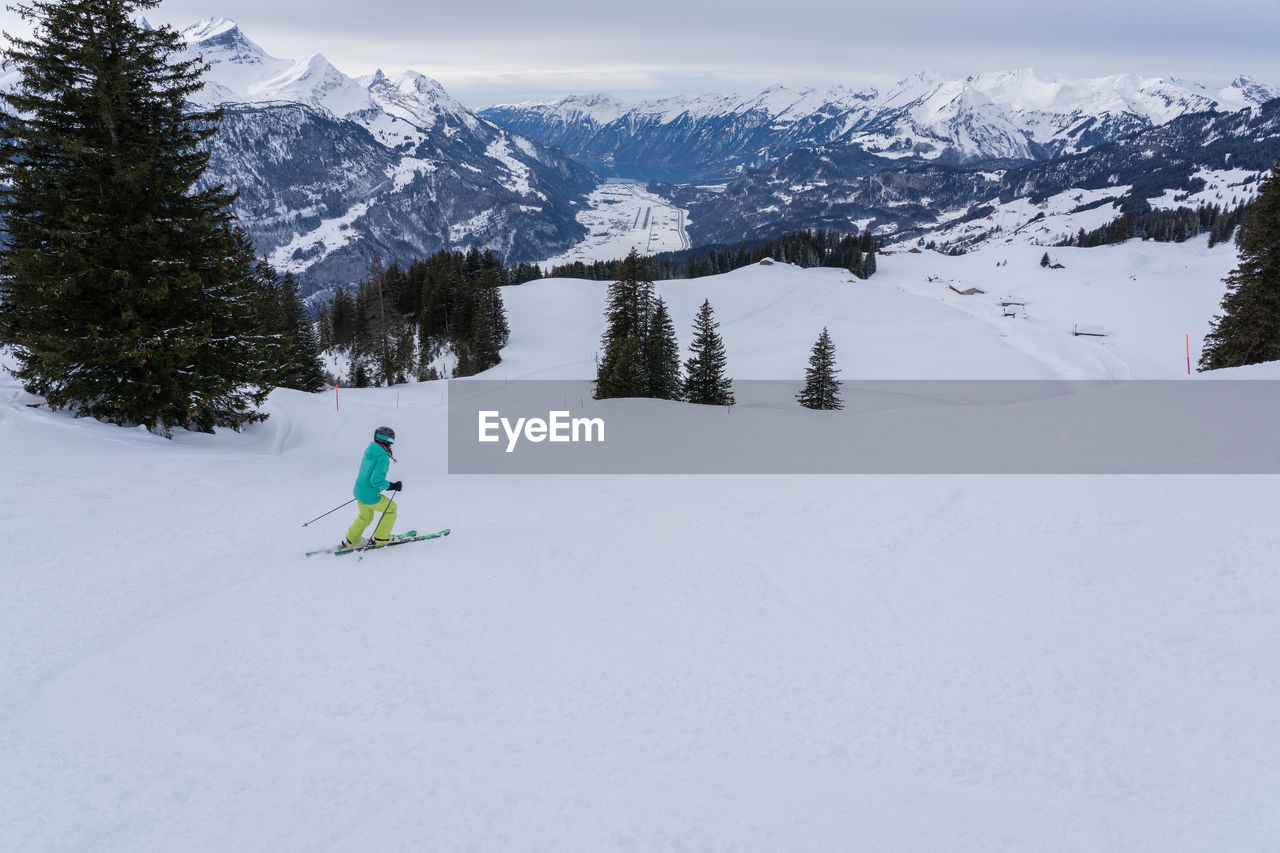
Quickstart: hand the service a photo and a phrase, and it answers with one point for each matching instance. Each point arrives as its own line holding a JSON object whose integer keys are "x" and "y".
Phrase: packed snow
{"x": 818, "y": 663}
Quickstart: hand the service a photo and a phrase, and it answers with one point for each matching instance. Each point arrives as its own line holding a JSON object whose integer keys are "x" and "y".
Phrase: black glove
{"x": 394, "y": 487}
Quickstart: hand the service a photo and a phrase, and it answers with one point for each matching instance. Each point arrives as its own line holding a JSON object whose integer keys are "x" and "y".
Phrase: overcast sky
{"x": 494, "y": 51}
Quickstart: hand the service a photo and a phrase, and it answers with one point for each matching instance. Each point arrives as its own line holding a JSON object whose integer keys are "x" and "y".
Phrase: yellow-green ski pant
{"x": 383, "y": 530}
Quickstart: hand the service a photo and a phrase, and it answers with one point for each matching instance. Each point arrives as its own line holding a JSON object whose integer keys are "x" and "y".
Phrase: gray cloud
{"x": 486, "y": 51}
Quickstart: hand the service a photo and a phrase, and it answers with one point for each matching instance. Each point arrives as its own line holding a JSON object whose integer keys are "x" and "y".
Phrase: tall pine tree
{"x": 1248, "y": 329}
{"x": 705, "y": 381}
{"x": 128, "y": 292}
{"x": 629, "y": 305}
{"x": 292, "y": 347}
{"x": 662, "y": 355}
{"x": 629, "y": 377}
{"x": 821, "y": 388}
{"x": 301, "y": 367}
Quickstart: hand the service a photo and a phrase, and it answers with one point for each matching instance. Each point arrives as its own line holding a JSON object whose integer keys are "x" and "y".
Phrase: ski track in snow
{"x": 898, "y": 663}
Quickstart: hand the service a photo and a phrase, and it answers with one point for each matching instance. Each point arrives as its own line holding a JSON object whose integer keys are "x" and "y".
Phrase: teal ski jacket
{"x": 372, "y": 478}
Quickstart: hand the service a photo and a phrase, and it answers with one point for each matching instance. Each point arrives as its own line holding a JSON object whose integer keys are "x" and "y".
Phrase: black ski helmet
{"x": 384, "y": 435}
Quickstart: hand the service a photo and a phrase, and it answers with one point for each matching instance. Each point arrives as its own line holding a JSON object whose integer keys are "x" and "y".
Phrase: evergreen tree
{"x": 384, "y": 344}
{"x": 662, "y": 355}
{"x": 495, "y": 309}
{"x": 1044, "y": 261}
{"x": 294, "y": 352}
{"x": 361, "y": 353}
{"x": 359, "y": 372}
{"x": 406, "y": 322}
{"x": 484, "y": 342}
{"x": 301, "y": 367}
{"x": 629, "y": 377}
{"x": 342, "y": 317}
{"x": 821, "y": 388}
{"x": 379, "y": 329}
{"x": 128, "y": 294}
{"x": 402, "y": 351}
{"x": 629, "y": 305}
{"x": 1248, "y": 329}
{"x": 705, "y": 381}
{"x": 396, "y": 288}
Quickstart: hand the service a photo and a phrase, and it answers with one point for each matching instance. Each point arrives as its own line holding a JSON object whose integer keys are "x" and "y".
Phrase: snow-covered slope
{"x": 906, "y": 322}
{"x": 896, "y": 663}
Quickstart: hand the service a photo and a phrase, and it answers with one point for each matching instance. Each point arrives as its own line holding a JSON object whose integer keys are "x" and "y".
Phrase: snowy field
{"x": 649, "y": 663}
{"x": 624, "y": 215}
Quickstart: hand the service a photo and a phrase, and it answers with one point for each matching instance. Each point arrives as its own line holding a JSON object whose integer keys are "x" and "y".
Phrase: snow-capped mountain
{"x": 707, "y": 138}
{"x": 235, "y": 63}
{"x": 1067, "y": 115}
{"x": 334, "y": 171}
{"x": 395, "y": 109}
{"x": 843, "y": 188}
{"x": 1018, "y": 115}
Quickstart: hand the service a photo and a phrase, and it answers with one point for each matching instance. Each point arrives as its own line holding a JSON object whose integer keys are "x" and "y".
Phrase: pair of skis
{"x": 400, "y": 539}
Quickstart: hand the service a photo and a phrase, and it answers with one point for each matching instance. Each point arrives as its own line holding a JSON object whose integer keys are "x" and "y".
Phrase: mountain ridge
{"x": 335, "y": 171}
{"x": 839, "y": 187}
{"x": 1003, "y": 115}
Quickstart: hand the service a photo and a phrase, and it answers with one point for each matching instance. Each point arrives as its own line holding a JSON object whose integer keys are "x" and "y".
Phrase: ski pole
{"x": 330, "y": 512}
{"x": 372, "y": 538}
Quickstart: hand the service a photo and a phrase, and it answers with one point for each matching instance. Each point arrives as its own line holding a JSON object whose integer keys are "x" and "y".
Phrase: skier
{"x": 370, "y": 482}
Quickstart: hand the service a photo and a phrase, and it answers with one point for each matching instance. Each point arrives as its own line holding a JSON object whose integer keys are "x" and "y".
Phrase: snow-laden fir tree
{"x": 821, "y": 388}
{"x": 1248, "y": 329}
{"x": 628, "y": 310}
{"x": 128, "y": 292}
{"x": 704, "y": 380}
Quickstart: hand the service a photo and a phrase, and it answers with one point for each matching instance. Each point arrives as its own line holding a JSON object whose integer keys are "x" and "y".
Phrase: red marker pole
{"x": 335, "y": 398}
{"x": 1188, "y": 353}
